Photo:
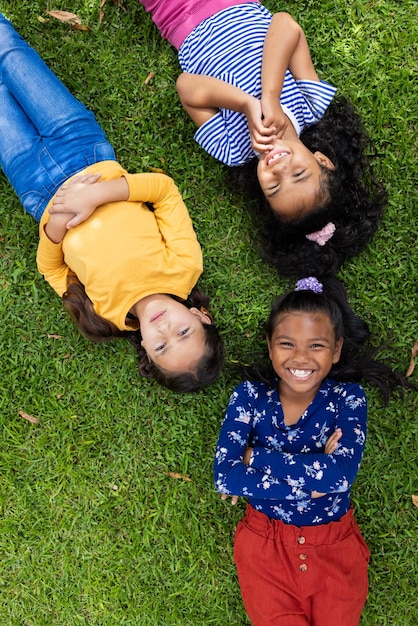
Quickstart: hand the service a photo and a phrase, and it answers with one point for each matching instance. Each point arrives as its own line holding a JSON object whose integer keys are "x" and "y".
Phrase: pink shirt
{"x": 177, "y": 19}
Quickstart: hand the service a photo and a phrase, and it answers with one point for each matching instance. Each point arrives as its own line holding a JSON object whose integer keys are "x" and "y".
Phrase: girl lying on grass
{"x": 291, "y": 442}
{"x": 250, "y": 86}
{"x": 122, "y": 269}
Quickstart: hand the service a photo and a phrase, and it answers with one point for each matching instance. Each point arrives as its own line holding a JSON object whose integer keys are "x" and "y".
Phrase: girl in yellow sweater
{"x": 119, "y": 248}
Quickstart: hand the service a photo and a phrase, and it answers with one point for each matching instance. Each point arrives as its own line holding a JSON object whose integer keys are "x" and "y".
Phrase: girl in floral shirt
{"x": 292, "y": 442}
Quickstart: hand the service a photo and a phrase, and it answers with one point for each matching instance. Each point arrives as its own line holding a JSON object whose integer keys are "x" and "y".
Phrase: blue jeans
{"x": 46, "y": 135}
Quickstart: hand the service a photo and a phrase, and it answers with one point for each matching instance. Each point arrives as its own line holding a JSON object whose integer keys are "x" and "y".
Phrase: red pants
{"x": 294, "y": 576}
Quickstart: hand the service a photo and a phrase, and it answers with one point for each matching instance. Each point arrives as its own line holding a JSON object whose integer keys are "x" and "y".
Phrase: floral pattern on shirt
{"x": 288, "y": 462}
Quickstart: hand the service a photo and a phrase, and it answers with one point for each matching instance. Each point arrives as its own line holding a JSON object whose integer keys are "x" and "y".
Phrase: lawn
{"x": 99, "y": 525}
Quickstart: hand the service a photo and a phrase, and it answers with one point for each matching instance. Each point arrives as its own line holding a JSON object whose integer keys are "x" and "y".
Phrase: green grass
{"x": 92, "y": 529}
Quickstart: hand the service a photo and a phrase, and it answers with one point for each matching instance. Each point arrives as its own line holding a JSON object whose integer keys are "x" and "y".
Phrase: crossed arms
{"x": 267, "y": 472}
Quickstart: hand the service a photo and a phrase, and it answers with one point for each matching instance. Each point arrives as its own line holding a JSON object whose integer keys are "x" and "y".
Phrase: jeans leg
{"x": 18, "y": 136}
{"x": 45, "y": 99}
{"x": 46, "y": 135}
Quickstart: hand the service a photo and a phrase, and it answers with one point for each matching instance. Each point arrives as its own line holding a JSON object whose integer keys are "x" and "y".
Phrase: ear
{"x": 268, "y": 346}
{"x": 338, "y": 348}
{"x": 324, "y": 160}
{"x": 204, "y": 318}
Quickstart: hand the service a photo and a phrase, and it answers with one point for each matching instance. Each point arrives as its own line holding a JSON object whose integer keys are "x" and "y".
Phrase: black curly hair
{"x": 355, "y": 199}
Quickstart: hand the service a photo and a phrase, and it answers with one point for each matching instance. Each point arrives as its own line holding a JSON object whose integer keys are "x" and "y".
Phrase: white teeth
{"x": 301, "y": 373}
{"x": 277, "y": 156}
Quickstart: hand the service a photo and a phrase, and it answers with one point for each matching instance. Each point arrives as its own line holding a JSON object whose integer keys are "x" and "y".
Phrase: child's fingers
{"x": 86, "y": 179}
{"x": 261, "y": 143}
{"x": 332, "y": 443}
{"x": 331, "y": 446}
{"x": 267, "y": 131}
{"x": 234, "y": 499}
{"x": 58, "y": 206}
{"x": 336, "y": 435}
{"x": 317, "y": 494}
{"x": 75, "y": 221}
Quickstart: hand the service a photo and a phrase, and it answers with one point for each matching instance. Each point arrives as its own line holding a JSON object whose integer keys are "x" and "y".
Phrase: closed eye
{"x": 299, "y": 173}
{"x": 273, "y": 190}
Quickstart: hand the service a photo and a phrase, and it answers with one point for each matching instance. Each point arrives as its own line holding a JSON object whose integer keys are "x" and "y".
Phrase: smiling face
{"x": 302, "y": 350}
{"x": 290, "y": 178}
{"x": 172, "y": 335}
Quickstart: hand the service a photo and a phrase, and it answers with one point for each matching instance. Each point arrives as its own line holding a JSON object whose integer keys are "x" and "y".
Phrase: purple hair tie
{"x": 309, "y": 284}
{"x": 321, "y": 236}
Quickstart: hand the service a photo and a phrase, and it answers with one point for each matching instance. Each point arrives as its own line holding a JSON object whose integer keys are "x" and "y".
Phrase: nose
{"x": 164, "y": 324}
{"x": 300, "y": 356}
{"x": 280, "y": 171}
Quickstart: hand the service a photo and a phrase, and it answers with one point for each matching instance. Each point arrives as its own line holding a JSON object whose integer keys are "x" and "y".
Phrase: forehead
{"x": 295, "y": 203}
{"x": 298, "y": 322}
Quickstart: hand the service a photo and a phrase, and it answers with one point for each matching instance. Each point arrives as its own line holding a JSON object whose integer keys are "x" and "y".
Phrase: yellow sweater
{"x": 125, "y": 251}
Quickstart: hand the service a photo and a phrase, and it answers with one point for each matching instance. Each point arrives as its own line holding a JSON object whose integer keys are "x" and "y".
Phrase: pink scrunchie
{"x": 321, "y": 236}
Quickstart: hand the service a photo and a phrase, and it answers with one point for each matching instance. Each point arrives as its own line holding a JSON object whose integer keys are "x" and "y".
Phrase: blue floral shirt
{"x": 288, "y": 462}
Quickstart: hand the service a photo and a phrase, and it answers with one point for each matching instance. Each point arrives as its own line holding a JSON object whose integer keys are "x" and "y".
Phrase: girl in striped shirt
{"x": 249, "y": 84}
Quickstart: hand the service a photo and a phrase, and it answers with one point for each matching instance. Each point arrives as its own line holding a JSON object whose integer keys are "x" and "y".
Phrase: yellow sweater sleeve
{"x": 171, "y": 213}
{"x": 51, "y": 264}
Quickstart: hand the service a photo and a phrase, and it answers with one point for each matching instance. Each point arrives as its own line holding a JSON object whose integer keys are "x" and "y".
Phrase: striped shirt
{"x": 229, "y": 46}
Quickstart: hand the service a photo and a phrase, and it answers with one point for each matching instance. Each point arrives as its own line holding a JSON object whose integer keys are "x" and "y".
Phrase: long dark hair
{"x": 98, "y": 329}
{"x": 355, "y": 199}
{"x": 357, "y": 360}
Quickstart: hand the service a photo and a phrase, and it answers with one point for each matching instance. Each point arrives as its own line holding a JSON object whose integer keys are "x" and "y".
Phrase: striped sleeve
{"x": 225, "y": 136}
{"x": 306, "y": 99}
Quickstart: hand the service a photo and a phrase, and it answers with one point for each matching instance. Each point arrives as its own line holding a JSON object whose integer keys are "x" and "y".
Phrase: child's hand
{"x": 330, "y": 447}
{"x": 332, "y": 443}
{"x": 56, "y": 227}
{"x": 274, "y": 117}
{"x": 317, "y": 494}
{"x": 247, "y": 455}
{"x": 234, "y": 499}
{"x": 77, "y": 198}
{"x": 261, "y": 136}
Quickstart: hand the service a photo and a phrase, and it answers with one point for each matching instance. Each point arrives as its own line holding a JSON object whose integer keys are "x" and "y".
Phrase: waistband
{"x": 206, "y": 9}
{"x": 291, "y": 535}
